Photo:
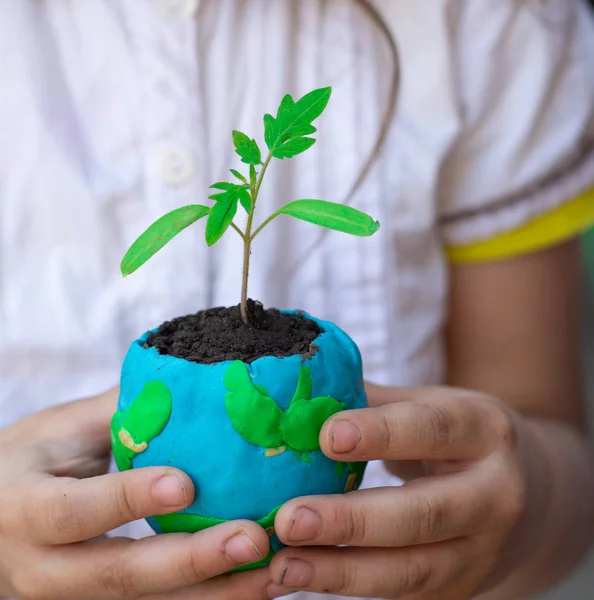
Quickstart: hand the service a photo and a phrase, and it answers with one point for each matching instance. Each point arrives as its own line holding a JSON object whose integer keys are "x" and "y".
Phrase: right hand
{"x": 56, "y": 502}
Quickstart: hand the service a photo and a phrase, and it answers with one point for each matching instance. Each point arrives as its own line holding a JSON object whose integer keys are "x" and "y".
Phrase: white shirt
{"x": 113, "y": 112}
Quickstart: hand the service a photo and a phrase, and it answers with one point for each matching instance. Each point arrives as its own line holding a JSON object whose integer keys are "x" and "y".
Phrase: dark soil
{"x": 219, "y": 334}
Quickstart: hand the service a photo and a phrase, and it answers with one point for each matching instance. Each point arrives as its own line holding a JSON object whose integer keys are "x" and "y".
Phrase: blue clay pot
{"x": 233, "y": 477}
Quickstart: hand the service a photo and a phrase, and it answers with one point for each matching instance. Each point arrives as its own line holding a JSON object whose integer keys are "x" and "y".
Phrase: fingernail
{"x": 241, "y": 550}
{"x": 306, "y": 525}
{"x": 297, "y": 573}
{"x": 274, "y": 591}
{"x": 345, "y": 436}
{"x": 169, "y": 490}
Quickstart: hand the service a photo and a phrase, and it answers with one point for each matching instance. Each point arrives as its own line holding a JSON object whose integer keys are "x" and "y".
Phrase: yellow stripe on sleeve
{"x": 560, "y": 225}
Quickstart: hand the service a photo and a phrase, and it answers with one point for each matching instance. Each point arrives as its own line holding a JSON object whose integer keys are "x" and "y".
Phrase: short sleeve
{"x": 522, "y": 167}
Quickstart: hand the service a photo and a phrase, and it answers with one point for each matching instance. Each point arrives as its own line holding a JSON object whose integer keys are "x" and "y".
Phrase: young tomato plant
{"x": 286, "y": 135}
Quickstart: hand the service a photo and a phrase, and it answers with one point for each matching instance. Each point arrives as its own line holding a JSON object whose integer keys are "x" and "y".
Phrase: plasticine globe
{"x": 246, "y": 434}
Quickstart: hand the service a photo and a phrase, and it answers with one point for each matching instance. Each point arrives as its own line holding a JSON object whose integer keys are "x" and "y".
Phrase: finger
{"x": 63, "y": 511}
{"x": 88, "y": 419}
{"x": 102, "y": 405}
{"x": 422, "y": 512}
{"x": 84, "y": 432}
{"x": 466, "y": 588}
{"x": 369, "y": 573}
{"x": 88, "y": 416}
{"x": 378, "y": 395}
{"x": 438, "y": 424}
{"x": 251, "y": 585}
{"x": 71, "y": 438}
{"x": 124, "y": 568}
{"x": 102, "y": 408}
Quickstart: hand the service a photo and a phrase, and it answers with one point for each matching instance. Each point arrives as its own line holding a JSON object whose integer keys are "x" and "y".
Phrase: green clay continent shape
{"x": 188, "y": 523}
{"x": 143, "y": 421}
{"x": 302, "y": 422}
{"x": 358, "y": 468}
{"x": 304, "y": 385}
{"x": 123, "y": 456}
{"x": 254, "y": 415}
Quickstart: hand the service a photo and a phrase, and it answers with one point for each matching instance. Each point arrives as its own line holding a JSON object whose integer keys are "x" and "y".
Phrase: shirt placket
{"x": 168, "y": 54}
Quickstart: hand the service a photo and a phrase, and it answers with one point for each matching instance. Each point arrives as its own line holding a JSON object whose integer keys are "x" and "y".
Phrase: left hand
{"x": 438, "y": 537}
{"x": 56, "y": 501}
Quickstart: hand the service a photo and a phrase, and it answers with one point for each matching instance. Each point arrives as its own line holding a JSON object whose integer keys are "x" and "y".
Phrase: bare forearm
{"x": 559, "y": 526}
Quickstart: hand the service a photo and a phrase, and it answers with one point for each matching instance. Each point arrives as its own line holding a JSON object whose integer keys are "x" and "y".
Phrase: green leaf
{"x": 255, "y": 416}
{"x": 269, "y": 131}
{"x": 253, "y": 175}
{"x": 294, "y": 121}
{"x": 221, "y": 215}
{"x": 293, "y": 147}
{"x": 219, "y": 196}
{"x": 331, "y": 215}
{"x": 305, "y": 129}
{"x": 158, "y": 234}
{"x": 303, "y": 420}
{"x": 247, "y": 149}
{"x": 304, "y": 112}
{"x": 241, "y": 191}
{"x": 239, "y": 176}
{"x": 223, "y": 185}
{"x": 245, "y": 200}
{"x": 308, "y": 108}
{"x": 286, "y": 105}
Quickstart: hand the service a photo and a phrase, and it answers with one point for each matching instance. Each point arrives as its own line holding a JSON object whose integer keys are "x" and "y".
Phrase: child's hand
{"x": 437, "y": 537}
{"x": 54, "y": 496}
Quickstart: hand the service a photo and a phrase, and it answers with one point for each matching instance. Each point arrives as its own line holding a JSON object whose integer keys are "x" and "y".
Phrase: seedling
{"x": 286, "y": 135}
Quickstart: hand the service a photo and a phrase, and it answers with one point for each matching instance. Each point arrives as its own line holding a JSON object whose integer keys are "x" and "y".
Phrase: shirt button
{"x": 177, "y": 166}
{"x": 180, "y": 8}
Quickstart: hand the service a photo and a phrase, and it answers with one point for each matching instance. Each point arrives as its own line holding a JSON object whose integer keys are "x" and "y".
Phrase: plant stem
{"x": 259, "y": 229}
{"x": 247, "y": 241}
{"x": 238, "y": 231}
{"x": 244, "y": 280}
